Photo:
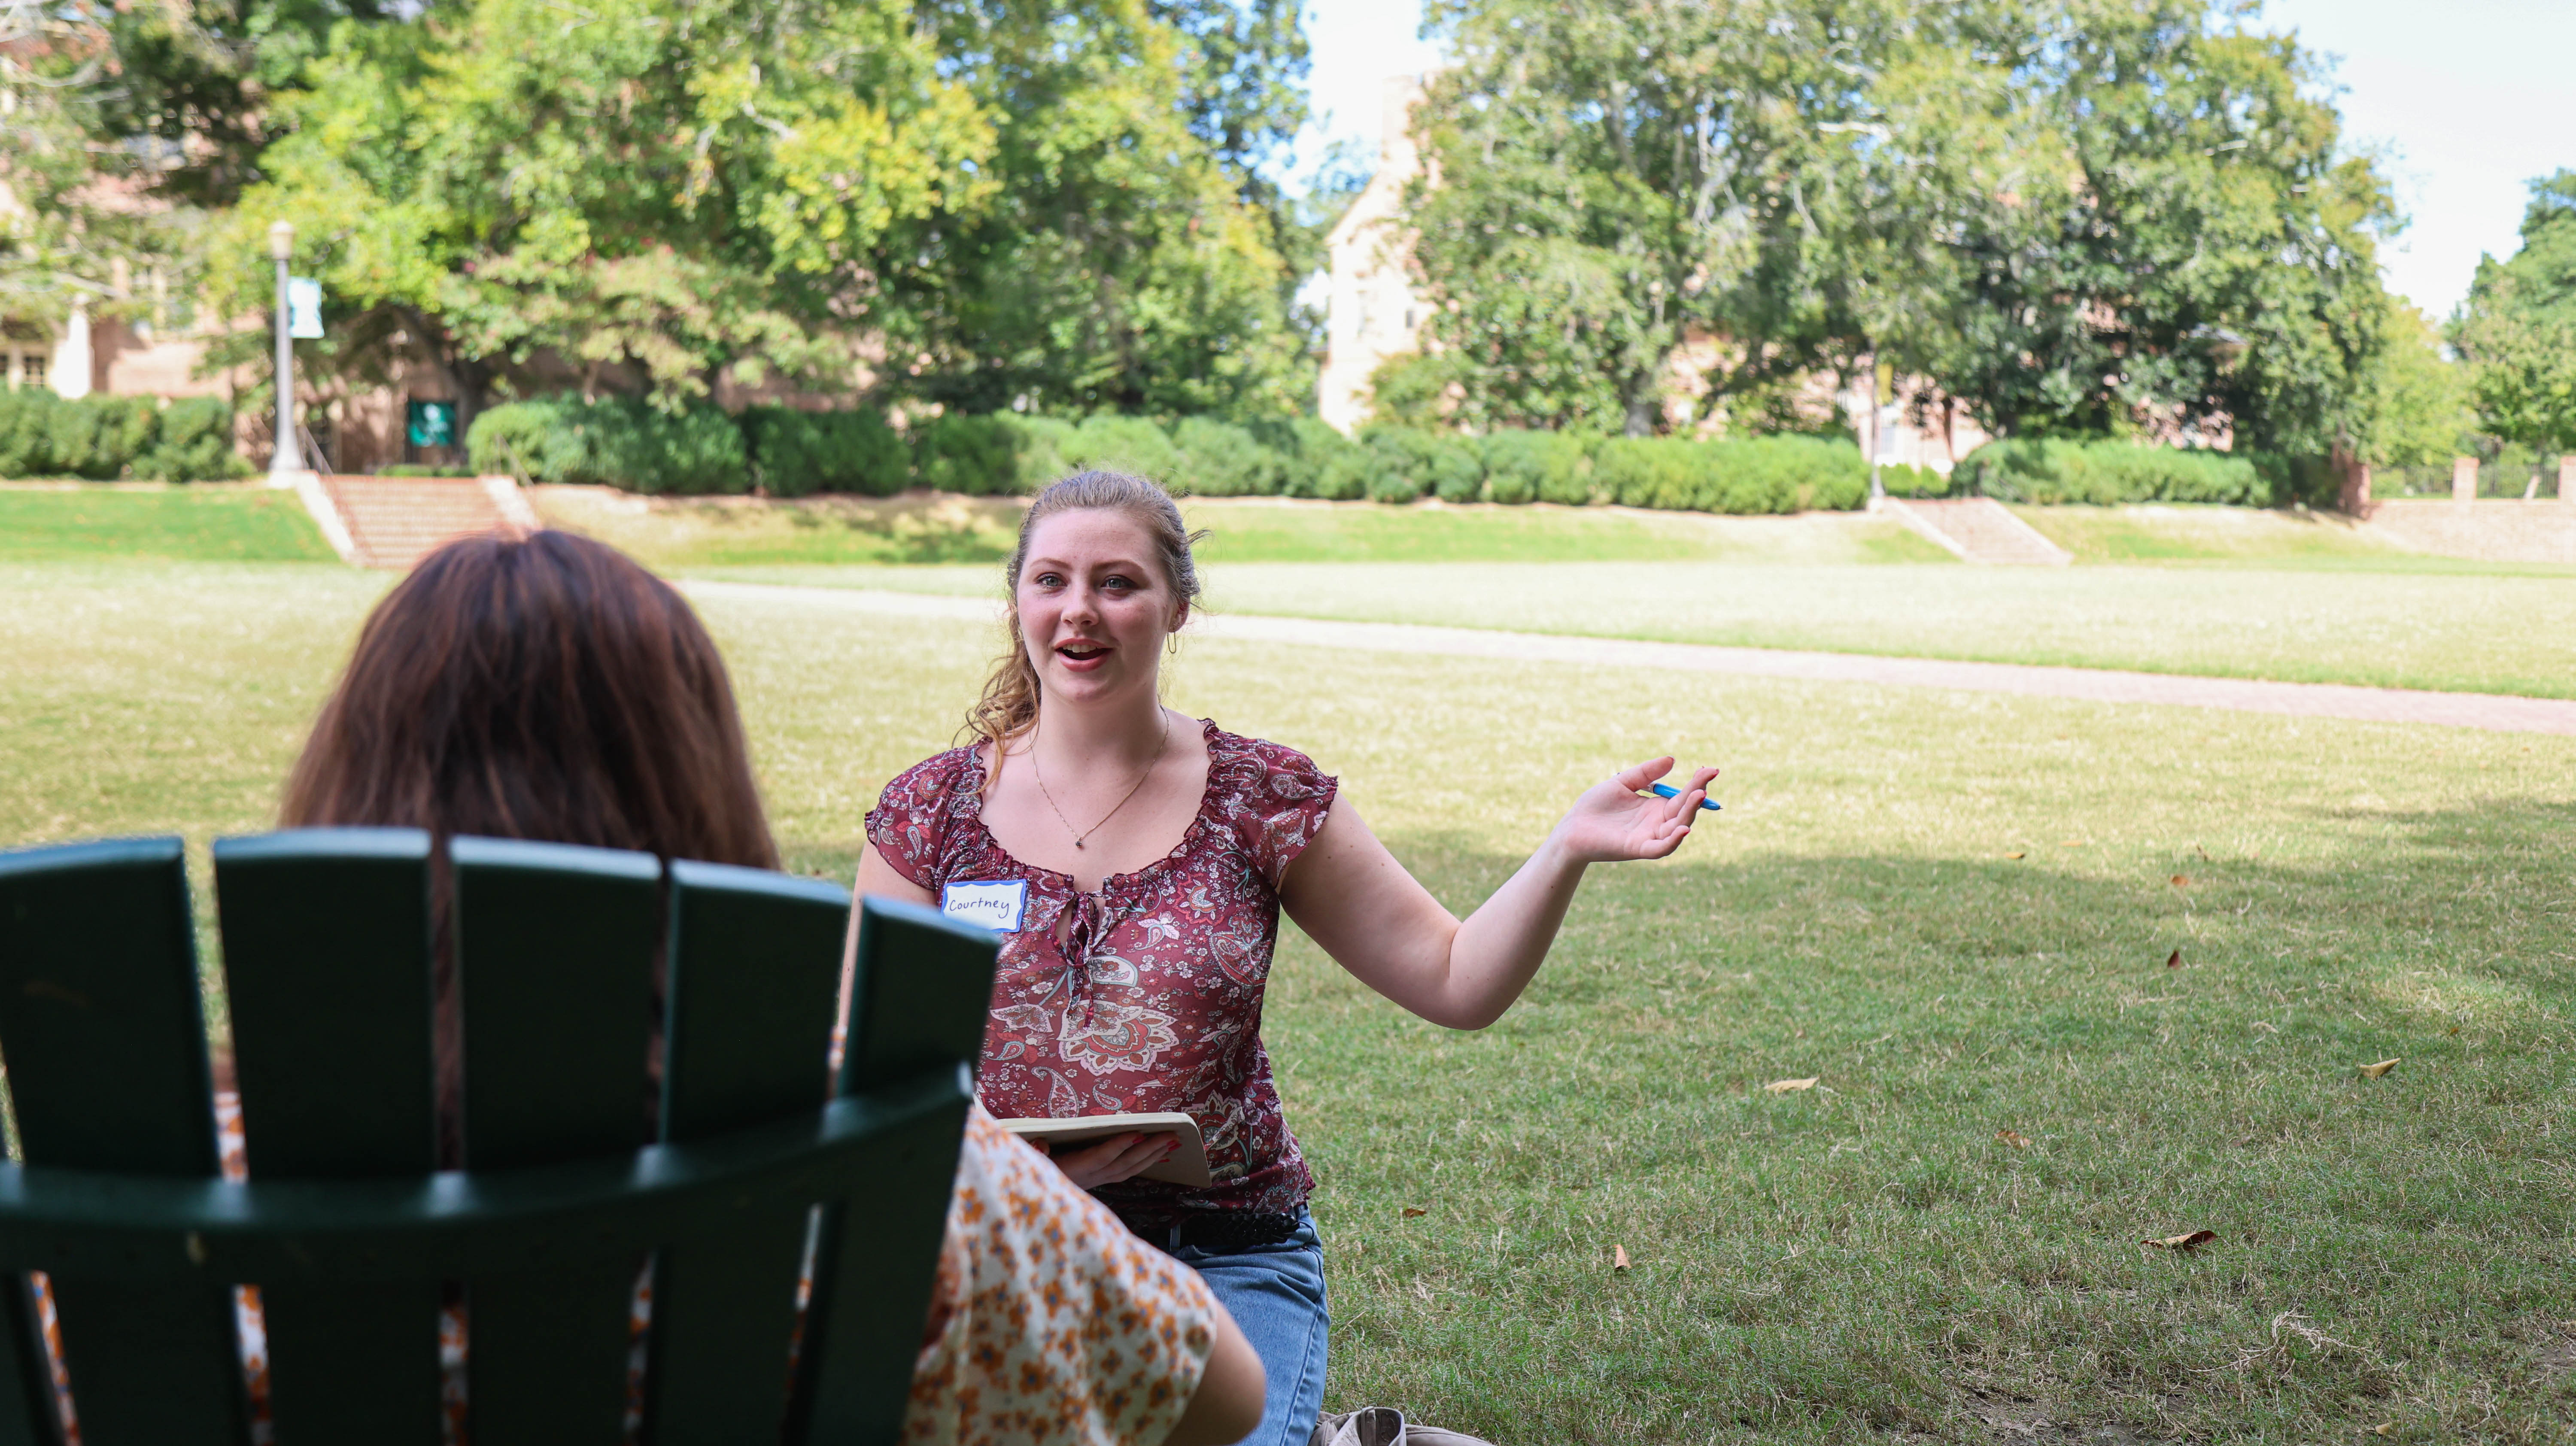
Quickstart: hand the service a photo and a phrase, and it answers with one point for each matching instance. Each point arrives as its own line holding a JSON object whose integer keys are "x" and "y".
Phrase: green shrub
{"x": 1112, "y": 443}
{"x": 99, "y": 437}
{"x": 512, "y": 439}
{"x": 979, "y": 456}
{"x": 1325, "y": 463}
{"x": 1750, "y": 476}
{"x": 1782, "y": 474}
{"x": 634, "y": 445}
{"x": 1218, "y": 459}
{"x": 1546, "y": 466}
{"x": 2109, "y": 472}
{"x": 26, "y": 432}
{"x": 1645, "y": 472}
{"x": 796, "y": 453}
{"x": 1405, "y": 463}
{"x": 616, "y": 441}
{"x": 195, "y": 444}
{"x": 1907, "y": 481}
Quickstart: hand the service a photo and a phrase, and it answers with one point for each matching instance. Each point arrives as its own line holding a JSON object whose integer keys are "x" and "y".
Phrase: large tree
{"x": 2078, "y": 214}
{"x": 982, "y": 203}
{"x": 2517, "y": 329}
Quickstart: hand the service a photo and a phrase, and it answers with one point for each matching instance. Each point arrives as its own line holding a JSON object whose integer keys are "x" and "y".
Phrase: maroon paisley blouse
{"x": 1153, "y": 1001}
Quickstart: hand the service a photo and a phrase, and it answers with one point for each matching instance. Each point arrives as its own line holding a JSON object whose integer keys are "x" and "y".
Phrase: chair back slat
{"x": 754, "y": 961}
{"x": 554, "y": 952}
{"x": 920, "y": 994}
{"x": 102, "y": 1026}
{"x": 920, "y": 991}
{"x": 327, "y": 967}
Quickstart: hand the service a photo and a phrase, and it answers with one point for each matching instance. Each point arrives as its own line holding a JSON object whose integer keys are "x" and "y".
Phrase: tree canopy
{"x": 2517, "y": 329}
{"x": 2078, "y": 215}
{"x": 981, "y": 202}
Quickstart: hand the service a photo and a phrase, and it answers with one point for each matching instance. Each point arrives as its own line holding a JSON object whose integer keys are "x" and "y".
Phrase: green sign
{"x": 433, "y": 424}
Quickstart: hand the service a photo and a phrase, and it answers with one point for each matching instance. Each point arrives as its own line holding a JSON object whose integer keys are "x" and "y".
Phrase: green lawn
{"x": 1871, "y": 1260}
{"x": 2472, "y": 631}
{"x": 205, "y": 521}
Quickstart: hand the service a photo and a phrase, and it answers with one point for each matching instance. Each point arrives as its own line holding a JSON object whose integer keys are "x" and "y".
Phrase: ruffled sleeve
{"x": 1049, "y": 1320}
{"x": 910, "y": 824}
{"x": 1280, "y": 799}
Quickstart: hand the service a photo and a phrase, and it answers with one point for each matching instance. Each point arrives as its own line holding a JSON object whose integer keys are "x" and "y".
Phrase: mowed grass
{"x": 2465, "y": 631}
{"x": 1875, "y": 1258}
{"x": 205, "y": 521}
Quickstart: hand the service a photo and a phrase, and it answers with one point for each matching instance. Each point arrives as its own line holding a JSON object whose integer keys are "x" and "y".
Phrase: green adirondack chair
{"x": 351, "y": 1233}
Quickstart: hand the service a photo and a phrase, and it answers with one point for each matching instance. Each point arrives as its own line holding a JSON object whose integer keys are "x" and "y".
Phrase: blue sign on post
{"x": 303, "y": 308}
{"x": 432, "y": 424}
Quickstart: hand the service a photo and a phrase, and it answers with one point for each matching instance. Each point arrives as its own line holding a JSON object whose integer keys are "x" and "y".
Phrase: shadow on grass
{"x": 1942, "y": 1236}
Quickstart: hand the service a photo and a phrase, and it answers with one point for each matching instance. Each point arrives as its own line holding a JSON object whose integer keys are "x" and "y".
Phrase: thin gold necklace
{"x": 1079, "y": 835}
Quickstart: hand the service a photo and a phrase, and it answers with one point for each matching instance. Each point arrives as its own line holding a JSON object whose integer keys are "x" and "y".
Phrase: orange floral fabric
{"x": 1051, "y": 1324}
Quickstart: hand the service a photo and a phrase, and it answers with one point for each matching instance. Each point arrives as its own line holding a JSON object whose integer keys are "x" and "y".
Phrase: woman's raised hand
{"x": 1616, "y": 820}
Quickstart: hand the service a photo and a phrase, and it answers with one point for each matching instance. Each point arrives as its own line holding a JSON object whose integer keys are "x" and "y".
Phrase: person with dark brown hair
{"x": 547, "y": 687}
{"x": 541, "y": 687}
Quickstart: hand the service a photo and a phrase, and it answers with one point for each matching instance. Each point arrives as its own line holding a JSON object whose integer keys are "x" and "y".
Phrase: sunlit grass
{"x": 203, "y": 521}
{"x": 1860, "y": 1262}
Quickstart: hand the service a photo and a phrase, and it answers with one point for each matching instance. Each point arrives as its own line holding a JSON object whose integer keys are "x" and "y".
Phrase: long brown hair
{"x": 1009, "y": 706}
{"x": 537, "y": 687}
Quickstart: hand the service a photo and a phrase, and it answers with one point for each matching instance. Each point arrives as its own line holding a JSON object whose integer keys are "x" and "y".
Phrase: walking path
{"x": 2495, "y": 712}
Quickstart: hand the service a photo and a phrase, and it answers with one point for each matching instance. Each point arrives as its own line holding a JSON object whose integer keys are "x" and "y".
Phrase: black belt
{"x": 1219, "y": 1232}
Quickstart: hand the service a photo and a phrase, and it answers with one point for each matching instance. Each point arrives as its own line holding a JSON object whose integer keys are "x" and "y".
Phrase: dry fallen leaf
{"x": 2374, "y": 1071}
{"x": 2181, "y": 882}
{"x": 1412, "y": 1210}
{"x": 2014, "y": 1138}
{"x": 2181, "y": 1242}
{"x": 2015, "y": 856}
{"x": 2384, "y": 1428}
{"x": 2174, "y": 959}
{"x": 1618, "y": 1257}
{"x": 1784, "y": 1086}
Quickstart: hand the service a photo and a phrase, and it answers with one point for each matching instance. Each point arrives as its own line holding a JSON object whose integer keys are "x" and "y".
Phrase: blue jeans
{"x": 1276, "y": 1293}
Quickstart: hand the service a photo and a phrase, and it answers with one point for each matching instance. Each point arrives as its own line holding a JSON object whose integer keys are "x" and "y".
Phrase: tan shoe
{"x": 1383, "y": 1426}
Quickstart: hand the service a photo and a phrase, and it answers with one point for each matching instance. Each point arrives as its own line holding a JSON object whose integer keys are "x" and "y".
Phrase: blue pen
{"x": 1666, "y": 790}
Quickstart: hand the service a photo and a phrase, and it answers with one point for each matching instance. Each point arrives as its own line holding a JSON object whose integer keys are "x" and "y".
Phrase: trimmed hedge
{"x": 2108, "y": 472}
{"x": 793, "y": 453}
{"x": 618, "y": 441}
{"x": 104, "y": 438}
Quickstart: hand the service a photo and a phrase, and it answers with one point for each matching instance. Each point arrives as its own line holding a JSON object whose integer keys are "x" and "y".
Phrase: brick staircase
{"x": 396, "y": 521}
{"x": 1978, "y": 529}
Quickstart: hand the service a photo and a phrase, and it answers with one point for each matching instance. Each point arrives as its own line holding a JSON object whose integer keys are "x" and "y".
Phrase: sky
{"x": 2464, "y": 100}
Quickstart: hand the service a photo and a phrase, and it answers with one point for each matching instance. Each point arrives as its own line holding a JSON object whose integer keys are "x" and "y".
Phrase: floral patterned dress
{"x": 1050, "y": 1324}
{"x": 1151, "y": 1000}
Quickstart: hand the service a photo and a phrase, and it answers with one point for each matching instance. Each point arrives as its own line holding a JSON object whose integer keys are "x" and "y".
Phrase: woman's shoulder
{"x": 1260, "y": 772}
{"x": 935, "y": 780}
{"x": 911, "y": 825}
{"x": 1274, "y": 797}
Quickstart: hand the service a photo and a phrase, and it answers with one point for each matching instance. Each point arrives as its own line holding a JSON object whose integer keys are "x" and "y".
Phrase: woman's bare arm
{"x": 1351, "y": 896}
{"x": 1227, "y": 1404}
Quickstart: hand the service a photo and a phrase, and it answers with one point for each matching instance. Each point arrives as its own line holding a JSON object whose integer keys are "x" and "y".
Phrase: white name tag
{"x": 993, "y": 905}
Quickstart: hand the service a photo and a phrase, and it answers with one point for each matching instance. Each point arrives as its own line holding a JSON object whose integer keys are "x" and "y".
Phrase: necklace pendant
{"x": 1077, "y": 843}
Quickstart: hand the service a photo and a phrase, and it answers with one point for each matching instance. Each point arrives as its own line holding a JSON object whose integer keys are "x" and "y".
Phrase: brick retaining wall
{"x": 2491, "y": 529}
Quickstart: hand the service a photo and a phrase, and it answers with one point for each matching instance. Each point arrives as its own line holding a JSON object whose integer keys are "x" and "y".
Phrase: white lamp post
{"x": 287, "y": 456}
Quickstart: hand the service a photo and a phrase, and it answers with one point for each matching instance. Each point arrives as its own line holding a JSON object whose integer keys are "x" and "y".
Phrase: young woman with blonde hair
{"x": 1138, "y": 860}
{"x": 547, "y": 687}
